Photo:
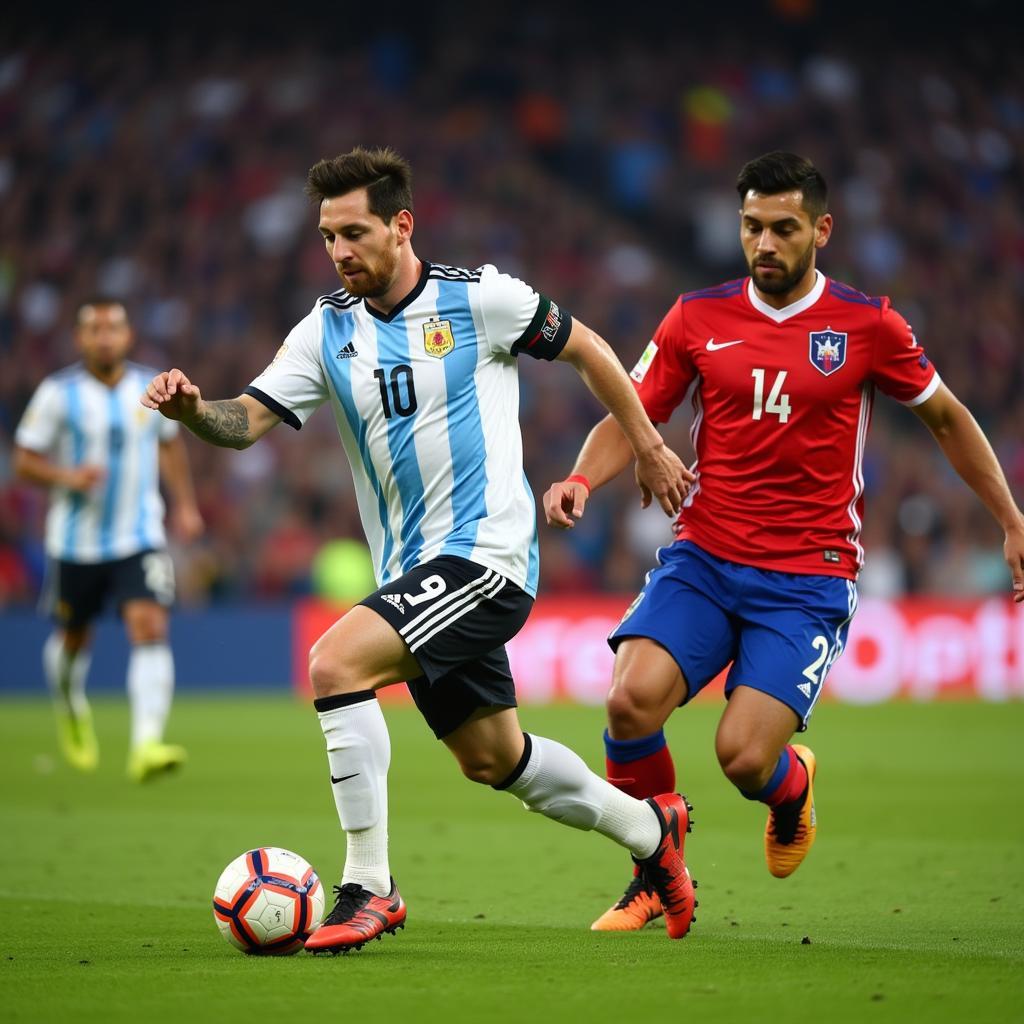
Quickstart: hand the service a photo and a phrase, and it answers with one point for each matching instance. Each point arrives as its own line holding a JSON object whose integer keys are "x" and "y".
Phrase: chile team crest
{"x": 438, "y": 339}
{"x": 828, "y": 350}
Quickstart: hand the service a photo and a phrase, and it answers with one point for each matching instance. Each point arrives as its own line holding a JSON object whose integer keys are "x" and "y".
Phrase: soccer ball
{"x": 268, "y": 901}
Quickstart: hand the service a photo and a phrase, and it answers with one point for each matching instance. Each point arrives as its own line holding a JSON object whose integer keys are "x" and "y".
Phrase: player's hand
{"x": 1013, "y": 550}
{"x": 173, "y": 395}
{"x": 564, "y": 502}
{"x": 82, "y": 479}
{"x": 187, "y": 523}
{"x": 660, "y": 474}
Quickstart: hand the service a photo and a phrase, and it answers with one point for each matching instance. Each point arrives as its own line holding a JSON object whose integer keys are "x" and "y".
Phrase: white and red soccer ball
{"x": 268, "y": 901}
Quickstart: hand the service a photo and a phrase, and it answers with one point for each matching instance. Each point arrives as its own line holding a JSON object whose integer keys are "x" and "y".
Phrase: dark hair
{"x": 783, "y": 172}
{"x": 385, "y": 175}
{"x": 98, "y": 300}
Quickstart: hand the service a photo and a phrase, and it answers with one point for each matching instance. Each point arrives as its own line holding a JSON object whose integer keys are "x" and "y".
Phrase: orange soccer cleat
{"x": 665, "y": 870}
{"x": 638, "y": 906}
{"x": 789, "y": 834}
{"x": 358, "y": 916}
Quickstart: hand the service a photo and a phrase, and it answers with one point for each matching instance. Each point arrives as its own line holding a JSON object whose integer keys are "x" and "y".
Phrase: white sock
{"x": 359, "y": 755}
{"x": 65, "y": 673}
{"x": 150, "y": 690}
{"x": 557, "y": 783}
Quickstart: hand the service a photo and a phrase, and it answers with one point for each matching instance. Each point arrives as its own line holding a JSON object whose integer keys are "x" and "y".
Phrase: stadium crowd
{"x": 596, "y": 162}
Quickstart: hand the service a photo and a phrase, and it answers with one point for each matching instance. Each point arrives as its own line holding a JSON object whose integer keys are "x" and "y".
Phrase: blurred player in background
{"x": 418, "y": 362}
{"x": 781, "y": 367}
{"x": 85, "y": 438}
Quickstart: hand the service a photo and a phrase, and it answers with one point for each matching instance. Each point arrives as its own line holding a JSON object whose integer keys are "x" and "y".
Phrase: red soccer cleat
{"x": 665, "y": 870}
{"x": 358, "y": 916}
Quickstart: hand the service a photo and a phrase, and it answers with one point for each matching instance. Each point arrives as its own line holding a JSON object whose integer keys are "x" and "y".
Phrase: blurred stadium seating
{"x": 164, "y": 162}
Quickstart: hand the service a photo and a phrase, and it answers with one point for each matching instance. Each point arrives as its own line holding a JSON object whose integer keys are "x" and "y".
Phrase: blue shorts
{"x": 781, "y": 631}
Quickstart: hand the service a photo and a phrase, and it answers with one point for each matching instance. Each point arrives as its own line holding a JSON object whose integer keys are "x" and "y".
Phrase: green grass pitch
{"x": 912, "y": 899}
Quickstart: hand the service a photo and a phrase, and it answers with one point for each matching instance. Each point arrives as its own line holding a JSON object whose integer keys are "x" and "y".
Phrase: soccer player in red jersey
{"x": 782, "y": 367}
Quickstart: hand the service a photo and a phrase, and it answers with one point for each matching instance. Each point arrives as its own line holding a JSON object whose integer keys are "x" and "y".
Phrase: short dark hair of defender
{"x": 784, "y": 172}
{"x": 385, "y": 175}
{"x": 99, "y": 302}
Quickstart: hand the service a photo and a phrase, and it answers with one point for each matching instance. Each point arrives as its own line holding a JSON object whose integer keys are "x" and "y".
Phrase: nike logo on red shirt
{"x": 712, "y": 347}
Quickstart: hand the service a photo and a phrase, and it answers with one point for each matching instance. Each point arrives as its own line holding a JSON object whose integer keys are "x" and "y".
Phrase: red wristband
{"x": 579, "y": 478}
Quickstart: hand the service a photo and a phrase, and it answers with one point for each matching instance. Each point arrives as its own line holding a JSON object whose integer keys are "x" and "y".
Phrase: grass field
{"x": 913, "y": 898}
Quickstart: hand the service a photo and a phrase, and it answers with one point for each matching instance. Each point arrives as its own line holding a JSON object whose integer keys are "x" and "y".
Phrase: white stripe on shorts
{"x": 413, "y": 624}
{"x": 466, "y": 603}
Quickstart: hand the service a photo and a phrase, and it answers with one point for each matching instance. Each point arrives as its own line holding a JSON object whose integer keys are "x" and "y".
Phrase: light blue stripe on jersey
{"x": 338, "y": 329}
{"x": 115, "y": 465}
{"x": 74, "y": 414}
{"x": 149, "y": 471}
{"x": 465, "y": 431}
{"x": 393, "y": 351}
{"x": 533, "y": 565}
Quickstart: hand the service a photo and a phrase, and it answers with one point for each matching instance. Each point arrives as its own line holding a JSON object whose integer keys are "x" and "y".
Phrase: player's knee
{"x": 145, "y": 623}
{"x": 481, "y": 767}
{"x": 629, "y": 715}
{"x": 147, "y": 632}
{"x": 331, "y": 673}
{"x": 75, "y": 639}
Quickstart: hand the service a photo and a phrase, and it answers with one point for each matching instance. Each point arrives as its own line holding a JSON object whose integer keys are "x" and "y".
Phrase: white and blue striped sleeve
{"x": 40, "y": 425}
{"x": 294, "y": 385}
{"x": 518, "y": 319}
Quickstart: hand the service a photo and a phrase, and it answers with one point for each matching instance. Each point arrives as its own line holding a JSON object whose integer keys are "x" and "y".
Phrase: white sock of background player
{"x": 150, "y": 690}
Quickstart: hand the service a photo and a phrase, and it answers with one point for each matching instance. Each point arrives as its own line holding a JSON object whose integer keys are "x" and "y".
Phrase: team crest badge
{"x": 828, "y": 350}
{"x": 437, "y": 338}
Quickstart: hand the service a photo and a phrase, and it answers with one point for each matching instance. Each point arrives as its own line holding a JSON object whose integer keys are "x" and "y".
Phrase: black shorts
{"x": 78, "y": 591}
{"x": 455, "y": 617}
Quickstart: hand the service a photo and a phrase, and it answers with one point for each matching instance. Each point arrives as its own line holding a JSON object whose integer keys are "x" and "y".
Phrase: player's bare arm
{"x": 604, "y": 455}
{"x": 229, "y": 423}
{"x": 35, "y": 468}
{"x": 969, "y": 453}
{"x": 176, "y": 475}
{"x": 660, "y": 472}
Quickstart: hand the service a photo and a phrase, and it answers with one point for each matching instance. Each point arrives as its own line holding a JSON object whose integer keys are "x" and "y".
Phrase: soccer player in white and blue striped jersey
{"x": 85, "y": 438}
{"x": 418, "y": 363}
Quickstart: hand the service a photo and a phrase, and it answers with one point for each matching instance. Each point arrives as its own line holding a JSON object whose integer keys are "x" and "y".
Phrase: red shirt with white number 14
{"x": 782, "y": 402}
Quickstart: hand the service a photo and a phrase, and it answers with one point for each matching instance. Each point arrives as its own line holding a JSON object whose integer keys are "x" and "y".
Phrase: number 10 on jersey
{"x": 402, "y": 405}
{"x": 778, "y": 403}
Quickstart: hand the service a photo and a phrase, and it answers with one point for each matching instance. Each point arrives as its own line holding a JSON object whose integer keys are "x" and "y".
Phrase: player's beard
{"x": 103, "y": 363}
{"x": 786, "y": 281}
{"x": 375, "y": 281}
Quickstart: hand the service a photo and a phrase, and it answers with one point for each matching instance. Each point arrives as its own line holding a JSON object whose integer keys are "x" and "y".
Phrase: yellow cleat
{"x": 76, "y": 737}
{"x": 790, "y": 832}
{"x": 638, "y": 906}
{"x": 153, "y": 758}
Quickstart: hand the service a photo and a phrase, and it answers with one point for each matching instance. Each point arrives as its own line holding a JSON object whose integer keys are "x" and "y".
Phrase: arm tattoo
{"x": 223, "y": 423}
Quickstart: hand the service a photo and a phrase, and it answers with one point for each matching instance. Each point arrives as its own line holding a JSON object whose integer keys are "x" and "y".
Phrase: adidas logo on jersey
{"x": 346, "y": 351}
{"x": 394, "y": 600}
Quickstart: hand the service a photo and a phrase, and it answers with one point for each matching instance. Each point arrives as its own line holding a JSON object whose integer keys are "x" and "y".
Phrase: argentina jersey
{"x": 76, "y": 420}
{"x": 426, "y": 399}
